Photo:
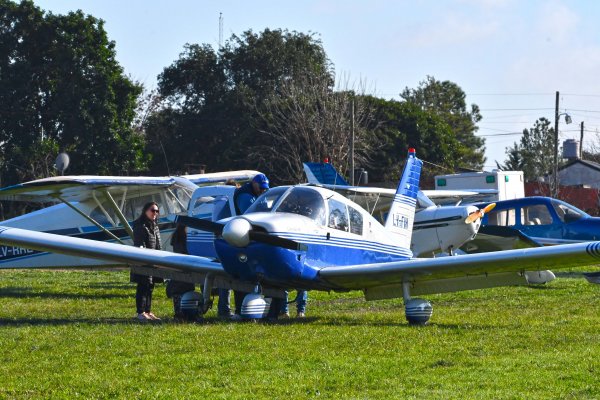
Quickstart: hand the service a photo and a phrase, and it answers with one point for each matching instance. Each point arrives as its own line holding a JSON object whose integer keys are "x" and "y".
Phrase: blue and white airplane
{"x": 309, "y": 237}
{"x": 546, "y": 220}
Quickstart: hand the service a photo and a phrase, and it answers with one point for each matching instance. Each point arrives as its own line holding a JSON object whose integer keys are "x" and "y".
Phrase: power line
{"x": 509, "y": 94}
{"x": 518, "y": 109}
{"x": 500, "y": 134}
{"x": 590, "y": 111}
{"x": 580, "y": 95}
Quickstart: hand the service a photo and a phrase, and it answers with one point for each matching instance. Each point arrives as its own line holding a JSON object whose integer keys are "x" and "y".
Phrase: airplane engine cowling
{"x": 418, "y": 311}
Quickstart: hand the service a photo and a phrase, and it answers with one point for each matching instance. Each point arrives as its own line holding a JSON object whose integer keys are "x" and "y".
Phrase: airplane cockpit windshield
{"x": 267, "y": 200}
{"x": 304, "y": 201}
{"x": 566, "y": 212}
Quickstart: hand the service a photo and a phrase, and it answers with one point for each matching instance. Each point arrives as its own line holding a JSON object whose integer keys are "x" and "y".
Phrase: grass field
{"x": 71, "y": 335}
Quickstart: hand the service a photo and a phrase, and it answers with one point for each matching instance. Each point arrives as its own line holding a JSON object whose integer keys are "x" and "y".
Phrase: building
{"x": 580, "y": 172}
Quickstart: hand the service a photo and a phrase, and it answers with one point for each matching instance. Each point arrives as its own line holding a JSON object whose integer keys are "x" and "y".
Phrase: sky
{"x": 509, "y": 56}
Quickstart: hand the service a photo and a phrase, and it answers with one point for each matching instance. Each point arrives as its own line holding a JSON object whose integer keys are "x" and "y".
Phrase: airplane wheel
{"x": 418, "y": 311}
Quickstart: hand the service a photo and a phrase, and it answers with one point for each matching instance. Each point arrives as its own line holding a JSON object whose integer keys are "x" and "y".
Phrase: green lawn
{"x": 71, "y": 335}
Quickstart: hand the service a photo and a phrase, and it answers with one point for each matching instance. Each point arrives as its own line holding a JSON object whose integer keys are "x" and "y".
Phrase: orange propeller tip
{"x": 489, "y": 207}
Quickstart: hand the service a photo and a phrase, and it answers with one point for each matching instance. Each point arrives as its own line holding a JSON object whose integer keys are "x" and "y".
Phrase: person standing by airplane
{"x": 301, "y": 300}
{"x": 146, "y": 235}
{"x": 245, "y": 195}
{"x": 176, "y": 289}
{"x": 243, "y": 198}
{"x": 223, "y": 306}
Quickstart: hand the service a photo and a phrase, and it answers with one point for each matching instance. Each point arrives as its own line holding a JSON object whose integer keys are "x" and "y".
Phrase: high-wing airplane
{"x": 99, "y": 208}
{"x": 309, "y": 237}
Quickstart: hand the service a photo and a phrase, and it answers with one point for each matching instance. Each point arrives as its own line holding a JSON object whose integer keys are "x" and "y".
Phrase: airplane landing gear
{"x": 417, "y": 311}
{"x": 206, "y": 292}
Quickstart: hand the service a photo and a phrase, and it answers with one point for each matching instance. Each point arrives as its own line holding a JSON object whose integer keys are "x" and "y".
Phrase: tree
{"x": 62, "y": 88}
{"x": 514, "y": 161}
{"x": 209, "y": 114}
{"x": 400, "y": 125}
{"x": 308, "y": 120}
{"x": 534, "y": 154}
{"x": 448, "y": 101}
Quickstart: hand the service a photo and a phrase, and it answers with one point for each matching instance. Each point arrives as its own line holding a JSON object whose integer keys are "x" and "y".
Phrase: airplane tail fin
{"x": 324, "y": 174}
{"x": 402, "y": 211}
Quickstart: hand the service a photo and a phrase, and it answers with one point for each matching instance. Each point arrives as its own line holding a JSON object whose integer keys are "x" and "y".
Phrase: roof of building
{"x": 587, "y": 163}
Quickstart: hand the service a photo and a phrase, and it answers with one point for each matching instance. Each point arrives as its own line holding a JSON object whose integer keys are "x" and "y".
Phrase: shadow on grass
{"x": 66, "y": 321}
{"x": 25, "y": 292}
{"x": 309, "y": 321}
{"x": 569, "y": 275}
{"x": 112, "y": 285}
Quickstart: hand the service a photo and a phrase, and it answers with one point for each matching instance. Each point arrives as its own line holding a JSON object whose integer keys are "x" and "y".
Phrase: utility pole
{"x": 554, "y": 191}
{"x": 581, "y": 142}
{"x": 352, "y": 144}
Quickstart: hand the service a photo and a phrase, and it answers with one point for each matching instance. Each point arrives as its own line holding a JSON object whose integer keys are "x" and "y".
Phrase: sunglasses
{"x": 155, "y": 210}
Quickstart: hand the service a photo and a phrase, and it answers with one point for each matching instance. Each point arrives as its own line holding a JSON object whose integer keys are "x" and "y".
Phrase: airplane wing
{"x": 472, "y": 271}
{"x": 216, "y": 178}
{"x": 445, "y": 197}
{"x": 79, "y": 188}
{"x": 118, "y": 253}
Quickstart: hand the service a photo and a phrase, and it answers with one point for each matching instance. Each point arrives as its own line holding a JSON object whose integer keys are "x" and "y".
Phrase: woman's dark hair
{"x": 179, "y": 236}
{"x": 147, "y": 207}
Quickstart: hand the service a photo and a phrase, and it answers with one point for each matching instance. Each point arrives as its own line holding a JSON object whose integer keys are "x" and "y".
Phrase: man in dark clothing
{"x": 245, "y": 195}
{"x": 243, "y": 198}
{"x": 147, "y": 235}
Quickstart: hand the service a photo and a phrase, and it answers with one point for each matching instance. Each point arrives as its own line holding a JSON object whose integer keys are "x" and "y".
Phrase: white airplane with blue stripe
{"x": 100, "y": 208}
{"x": 309, "y": 237}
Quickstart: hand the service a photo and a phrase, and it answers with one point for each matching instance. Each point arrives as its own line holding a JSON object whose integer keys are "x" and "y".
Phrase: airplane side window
{"x": 536, "y": 215}
{"x": 567, "y": 214}
{"x": 133, "y": 206}
{"x": 502, "y": 218}
{"x": 338, "y": 215}
{"x": 222, "y": 208}
{"x": 356, "y": 221}
{"x": 183, "y": 194}
{"x": 98, "y": 216}
{"x": 172, "y": 204}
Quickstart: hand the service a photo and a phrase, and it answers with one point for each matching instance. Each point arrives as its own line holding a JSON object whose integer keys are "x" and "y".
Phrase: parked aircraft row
{"x": 303, "y": 237}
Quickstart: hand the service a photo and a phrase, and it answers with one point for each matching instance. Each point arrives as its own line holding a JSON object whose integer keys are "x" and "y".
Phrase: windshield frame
{"x": 318, "y": 219}
{"x": 274, "y": 191}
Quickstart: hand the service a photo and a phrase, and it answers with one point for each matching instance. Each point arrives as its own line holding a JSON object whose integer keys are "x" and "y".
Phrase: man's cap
{"x": 262, "y": 180}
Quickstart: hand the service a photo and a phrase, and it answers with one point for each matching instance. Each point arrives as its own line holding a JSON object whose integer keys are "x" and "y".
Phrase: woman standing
{"x": 147, "y": 235}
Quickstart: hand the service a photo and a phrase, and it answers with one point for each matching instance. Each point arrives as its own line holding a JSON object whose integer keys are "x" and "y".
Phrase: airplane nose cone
{"x": 237, "y": 232}
{"x": 476, "y": 224}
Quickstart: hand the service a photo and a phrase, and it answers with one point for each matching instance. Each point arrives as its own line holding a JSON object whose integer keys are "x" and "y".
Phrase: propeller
{"x": 239, "y": 232}
{"x": 200, "y": 224}
{"x": 474, "y": 216}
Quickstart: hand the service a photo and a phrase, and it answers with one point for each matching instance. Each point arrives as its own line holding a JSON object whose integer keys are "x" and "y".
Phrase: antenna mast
{"x": 220, "y": 30}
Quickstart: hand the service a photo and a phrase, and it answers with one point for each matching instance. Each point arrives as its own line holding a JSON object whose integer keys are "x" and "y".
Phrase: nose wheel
{"x": 417, "y": 311}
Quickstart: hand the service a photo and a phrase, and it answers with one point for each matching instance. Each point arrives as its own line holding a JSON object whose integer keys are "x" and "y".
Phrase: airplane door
{"x": 540, "y": 223}
{"x": 212, "y": 203}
